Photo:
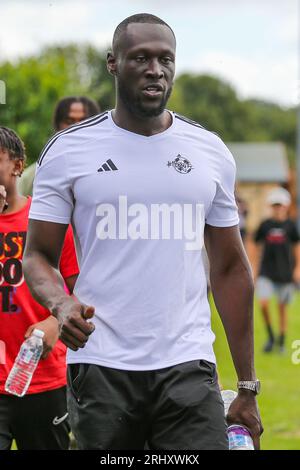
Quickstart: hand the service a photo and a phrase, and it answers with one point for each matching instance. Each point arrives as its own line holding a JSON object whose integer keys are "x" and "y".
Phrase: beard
{"x": 135, "y": 104}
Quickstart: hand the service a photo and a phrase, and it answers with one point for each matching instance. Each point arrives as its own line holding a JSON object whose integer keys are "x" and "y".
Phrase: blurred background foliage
{"x": 34, "y": 84}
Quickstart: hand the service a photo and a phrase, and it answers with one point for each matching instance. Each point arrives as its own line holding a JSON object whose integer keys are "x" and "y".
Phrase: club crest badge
{"x": 181, "y": 164}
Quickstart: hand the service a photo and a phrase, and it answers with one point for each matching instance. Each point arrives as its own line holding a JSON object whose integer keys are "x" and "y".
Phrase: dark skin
{"x": 141, "y": 62}
{"x": 145, "y": 57}
{"x": 41, "y": 262}
{"x": 229, "y": 266}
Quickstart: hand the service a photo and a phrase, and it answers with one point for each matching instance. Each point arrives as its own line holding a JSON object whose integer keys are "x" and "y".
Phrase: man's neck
{"x": 147, "y": 126}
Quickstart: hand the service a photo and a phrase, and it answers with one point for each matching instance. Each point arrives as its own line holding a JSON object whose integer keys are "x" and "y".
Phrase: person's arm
{"x": 255, "y": 256}
{"x": 296, "y": 273}
{"x": 50, "y": 326}
{"x": 40, "y": 263}
{"x": 257, "y": 248}
{"x": 69, "y": 270}
{"x": 232, "y": 288}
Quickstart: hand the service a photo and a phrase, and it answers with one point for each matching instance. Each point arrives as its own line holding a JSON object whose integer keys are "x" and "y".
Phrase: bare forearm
{"x": 45, "y": 283}
{"x": 233, "y": 295}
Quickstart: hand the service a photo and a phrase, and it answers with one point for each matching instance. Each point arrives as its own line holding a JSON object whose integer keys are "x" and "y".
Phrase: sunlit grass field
{"x": 279, "y": 401}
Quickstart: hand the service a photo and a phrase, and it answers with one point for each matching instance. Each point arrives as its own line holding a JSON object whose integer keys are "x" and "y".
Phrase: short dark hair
{"x": 11, "y": 142}
{"x": 138, "y": 18}
{"x": 63, "y": 107}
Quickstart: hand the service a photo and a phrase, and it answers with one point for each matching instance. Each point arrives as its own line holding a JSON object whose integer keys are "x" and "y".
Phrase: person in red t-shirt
{"x": 38, "y": 420}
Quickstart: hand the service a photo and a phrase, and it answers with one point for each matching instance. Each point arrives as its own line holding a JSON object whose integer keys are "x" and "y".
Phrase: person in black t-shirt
{"x": 279, "y": 265}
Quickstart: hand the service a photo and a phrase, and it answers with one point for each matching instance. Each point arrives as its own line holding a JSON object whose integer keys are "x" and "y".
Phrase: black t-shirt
{"x": 278, "y": 239}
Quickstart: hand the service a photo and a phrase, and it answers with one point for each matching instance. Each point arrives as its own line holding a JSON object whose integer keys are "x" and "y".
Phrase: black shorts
{"x": 178, "y": 407}
{"x": 37, "y": 422}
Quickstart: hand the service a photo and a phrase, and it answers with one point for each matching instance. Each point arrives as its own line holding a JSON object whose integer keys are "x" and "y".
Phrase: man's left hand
{"x": 244, "y": 411}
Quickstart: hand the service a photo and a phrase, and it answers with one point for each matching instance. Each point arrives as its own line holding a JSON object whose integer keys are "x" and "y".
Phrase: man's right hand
{"x": 74, "y": 327}
{"x": 244, "y": 411}
{"x": 2, "y": 198}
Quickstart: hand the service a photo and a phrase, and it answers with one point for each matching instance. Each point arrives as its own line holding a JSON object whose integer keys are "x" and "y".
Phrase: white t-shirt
{"x": 138, "y": 206}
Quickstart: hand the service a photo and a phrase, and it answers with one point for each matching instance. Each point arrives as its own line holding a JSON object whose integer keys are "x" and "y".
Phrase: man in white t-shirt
{"x": 141, "y": 185}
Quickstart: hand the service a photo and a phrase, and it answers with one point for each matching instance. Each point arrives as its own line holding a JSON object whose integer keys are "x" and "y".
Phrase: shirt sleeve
{"x": 52, "y": 192}
{"x": 224, "y": 211}
{"x": 68, "y": 265}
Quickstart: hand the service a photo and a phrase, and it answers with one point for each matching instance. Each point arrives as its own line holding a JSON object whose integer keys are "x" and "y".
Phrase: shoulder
{"x": 63, "y": 140}
{"x": 186, "y": 124}
{"x": 187, "y": 121}
{"x": 198, "y": 131}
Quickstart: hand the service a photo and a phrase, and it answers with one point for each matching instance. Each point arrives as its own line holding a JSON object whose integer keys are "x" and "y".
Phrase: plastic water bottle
{"x": 228, "y": 396}
{"x": 20, "y": 376}
{"x": 238, "y": 436}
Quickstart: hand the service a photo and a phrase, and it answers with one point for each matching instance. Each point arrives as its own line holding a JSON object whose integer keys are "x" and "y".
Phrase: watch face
{"x": 257, "y": 386}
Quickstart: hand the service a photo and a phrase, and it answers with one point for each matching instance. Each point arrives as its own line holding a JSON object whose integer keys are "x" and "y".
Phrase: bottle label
{"x": 239, "y": 438}
{"x": 28, "y": 356}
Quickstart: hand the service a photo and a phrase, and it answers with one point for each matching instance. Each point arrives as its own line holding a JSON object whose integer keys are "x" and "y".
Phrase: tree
{"x": 211, "y": 102}
{"x": 34, "y": 84}
{"x": 215, "y": 104}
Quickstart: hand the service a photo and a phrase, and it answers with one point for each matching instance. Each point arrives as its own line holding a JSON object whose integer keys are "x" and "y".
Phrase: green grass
{"x": 279, "y": 401}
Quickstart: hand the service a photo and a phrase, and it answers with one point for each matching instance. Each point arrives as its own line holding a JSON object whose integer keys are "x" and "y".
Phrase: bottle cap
{"x": 228, "y": 395}
{"x": 38, "y": 333}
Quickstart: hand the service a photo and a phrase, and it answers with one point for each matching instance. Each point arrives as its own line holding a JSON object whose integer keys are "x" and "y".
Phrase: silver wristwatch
{"x": 253, "y": 385}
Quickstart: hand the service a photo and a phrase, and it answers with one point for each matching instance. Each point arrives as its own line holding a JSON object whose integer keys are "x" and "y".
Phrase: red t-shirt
{"x": 19, "y": 310}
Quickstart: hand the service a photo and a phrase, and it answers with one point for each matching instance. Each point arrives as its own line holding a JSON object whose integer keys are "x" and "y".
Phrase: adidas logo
{"x": 108, "y": 166}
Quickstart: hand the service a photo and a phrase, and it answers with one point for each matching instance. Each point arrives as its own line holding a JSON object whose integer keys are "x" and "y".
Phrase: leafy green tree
{"x": 215, "y": 104}
{"x": 34, "y": 85}
{"x": 211, "y": 102}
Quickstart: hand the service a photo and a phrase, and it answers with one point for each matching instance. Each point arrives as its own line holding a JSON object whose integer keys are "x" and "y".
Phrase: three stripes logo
{"x": 108, "y": 166}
